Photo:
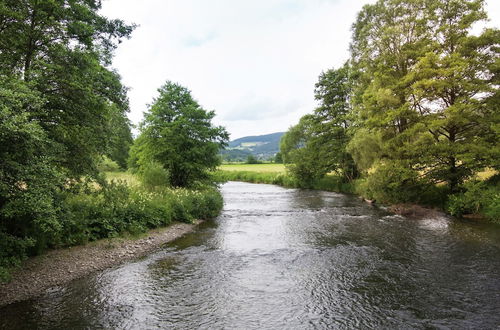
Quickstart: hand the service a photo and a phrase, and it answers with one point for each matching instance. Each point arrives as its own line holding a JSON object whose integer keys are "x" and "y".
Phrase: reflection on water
{"x": 284, "y": 258}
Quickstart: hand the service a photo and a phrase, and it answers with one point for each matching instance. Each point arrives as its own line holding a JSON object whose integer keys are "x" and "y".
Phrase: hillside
{"x": 261, "y": 146}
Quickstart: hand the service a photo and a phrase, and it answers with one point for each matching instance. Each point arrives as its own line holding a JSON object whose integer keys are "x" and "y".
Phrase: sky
{"x": 254, "y": 62}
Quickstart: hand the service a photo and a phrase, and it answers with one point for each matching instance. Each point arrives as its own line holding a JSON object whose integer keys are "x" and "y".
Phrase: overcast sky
{"x": 254, "y": 62}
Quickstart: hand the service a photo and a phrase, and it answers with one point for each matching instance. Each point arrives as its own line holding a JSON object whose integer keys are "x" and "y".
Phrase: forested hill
{"x": 260, "y": 146}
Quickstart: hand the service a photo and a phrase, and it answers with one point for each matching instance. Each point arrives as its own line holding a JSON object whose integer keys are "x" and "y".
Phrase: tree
{"x": 29, "y": 176}
{"x": 317, "y": 145}
{"x": 120, "y": 138}
{"x": 278, "y": 158}
{"x": 178, "y": 133}
{"x": 62, "y": 48}
{"x": 425, "y": 85}
{"x": 59, "y": 103}
{"x": 252, "y": 160}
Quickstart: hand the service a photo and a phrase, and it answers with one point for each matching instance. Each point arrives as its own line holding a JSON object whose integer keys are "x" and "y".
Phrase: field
{"x": 258, "y": 168}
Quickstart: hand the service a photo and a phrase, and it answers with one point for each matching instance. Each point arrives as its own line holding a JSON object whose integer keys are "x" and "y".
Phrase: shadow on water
{"x": 285, "y": 258}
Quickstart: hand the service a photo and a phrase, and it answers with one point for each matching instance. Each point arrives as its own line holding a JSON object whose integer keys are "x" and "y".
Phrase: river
{"x": 291, "y": 259}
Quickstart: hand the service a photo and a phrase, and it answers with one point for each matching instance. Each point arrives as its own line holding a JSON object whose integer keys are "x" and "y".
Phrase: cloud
{"x": 254, "y": 62}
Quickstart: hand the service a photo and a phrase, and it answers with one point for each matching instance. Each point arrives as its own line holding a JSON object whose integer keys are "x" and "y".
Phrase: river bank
{"x": 59, "y": 267}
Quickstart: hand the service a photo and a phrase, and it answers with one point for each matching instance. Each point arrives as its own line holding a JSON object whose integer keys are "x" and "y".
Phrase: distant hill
{"x": 261, "y": 146}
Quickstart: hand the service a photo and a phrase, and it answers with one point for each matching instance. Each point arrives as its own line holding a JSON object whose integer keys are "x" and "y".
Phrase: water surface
{"x": 281, "y": 258}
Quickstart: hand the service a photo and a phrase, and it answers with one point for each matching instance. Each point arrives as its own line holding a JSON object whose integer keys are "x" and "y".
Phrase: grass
{"x": 256, "y": 168}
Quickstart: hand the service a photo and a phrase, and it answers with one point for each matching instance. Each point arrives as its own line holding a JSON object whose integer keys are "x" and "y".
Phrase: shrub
{"x": 392, "y": 183}
{"x": 12, "y": 251}
{"x": 107, "y": 165}
{"x": 154, "y": 175}
{"x": 477, "y": 197}
{"x": 252, "y": 160}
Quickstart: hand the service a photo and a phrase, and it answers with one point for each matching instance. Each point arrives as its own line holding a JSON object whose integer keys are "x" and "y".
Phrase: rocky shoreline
{"x": 58, "y": 267}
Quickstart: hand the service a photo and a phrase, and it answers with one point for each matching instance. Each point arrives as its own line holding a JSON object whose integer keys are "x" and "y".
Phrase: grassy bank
{"x": 119, "y": 206}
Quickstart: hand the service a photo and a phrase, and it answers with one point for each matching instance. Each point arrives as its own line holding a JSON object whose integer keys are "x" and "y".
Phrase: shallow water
{"x": 296, "y": 259}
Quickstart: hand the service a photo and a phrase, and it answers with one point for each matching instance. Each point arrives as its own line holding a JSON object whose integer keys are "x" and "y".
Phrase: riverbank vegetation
{"x": 63, "y": 122}
{"x": 413, "y": 115}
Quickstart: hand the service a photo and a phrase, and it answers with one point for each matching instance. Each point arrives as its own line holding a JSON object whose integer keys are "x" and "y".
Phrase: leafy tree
{"x": 252, "y": 160}
{"x": 60, "y": 104}
{"x": 425, "y": 85}
{"x": 121, "y": 138}
{"x": 178, "y": 133}
{"x": 278, "y": 158}
{"x": 29, "y": 178}
{"x": 62, "y": 48}
{"x": 317, "y": 145}
{"x": 301, "y": 154}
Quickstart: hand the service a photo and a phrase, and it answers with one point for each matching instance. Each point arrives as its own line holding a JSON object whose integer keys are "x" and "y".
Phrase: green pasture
{"x": 258, "y": 168}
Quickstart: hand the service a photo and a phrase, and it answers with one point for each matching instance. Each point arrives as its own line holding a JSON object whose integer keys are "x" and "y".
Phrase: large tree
{"x": 178, "y": 133}
{"x": 425, "y": 85}
{"x": 63, "y": 49}
{"x": 59, "y": 104}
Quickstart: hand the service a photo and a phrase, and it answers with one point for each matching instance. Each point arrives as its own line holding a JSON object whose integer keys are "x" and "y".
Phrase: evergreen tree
{"x": 425, "y": 85}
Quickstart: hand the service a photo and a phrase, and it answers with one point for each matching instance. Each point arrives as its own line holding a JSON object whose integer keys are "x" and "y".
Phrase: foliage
{"x": 278, "y": 158}
{"x": 62, "y": 48}
{"x": 118, "y": 208}
{"x": 61, "y": 107}
{"x": 153, "y": 175}
{"x": 317, "y": 144}
{"x": 477, "y": 197}
{"x": 120, "y": 139}
{"x": 105, "y": 164}
{"x": 252, "y": 160}
{"x": 29, "y": 177}
{"x": 415, "y": 110}
{"x": 396, "y": 182}
{"x": 88, "y": 213}
{"x": 177, "y": 132}
{"x": 12, "y": 251}
{"x": 425, "y": 86}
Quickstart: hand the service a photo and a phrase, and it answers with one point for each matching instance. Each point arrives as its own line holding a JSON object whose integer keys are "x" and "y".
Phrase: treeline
{"x": 413, "y": 115}
{"x": 63, "y": 117}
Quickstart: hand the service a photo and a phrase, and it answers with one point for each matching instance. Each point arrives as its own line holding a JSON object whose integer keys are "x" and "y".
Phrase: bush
{"x": 88, "y": 212}
{"x": 12, "y": 251}
{"x": 477, "y": 197}
{"x": 117, "y": 209}
{"x": 252, "y": 160}
{"x": 154, "y": 175}
{"x": 393, "y": 183}
{"x": 107, "y": 165}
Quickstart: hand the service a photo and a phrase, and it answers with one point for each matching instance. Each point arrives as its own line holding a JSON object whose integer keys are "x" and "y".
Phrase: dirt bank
{"x": 59, "y": 267}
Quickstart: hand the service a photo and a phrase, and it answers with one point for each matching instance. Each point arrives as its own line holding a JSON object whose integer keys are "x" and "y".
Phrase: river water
{"x": 291, "y": 259}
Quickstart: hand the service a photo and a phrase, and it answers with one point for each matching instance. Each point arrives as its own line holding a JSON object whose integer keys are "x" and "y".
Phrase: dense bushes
{"x": 154, "y": 175}
{"x": 477, "y": 197}
{"x": 396, "y": 183}
{"x": 89, "y": 212}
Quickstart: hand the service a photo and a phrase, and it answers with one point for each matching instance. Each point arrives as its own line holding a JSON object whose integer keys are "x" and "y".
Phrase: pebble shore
{"x": 58, "y": 267}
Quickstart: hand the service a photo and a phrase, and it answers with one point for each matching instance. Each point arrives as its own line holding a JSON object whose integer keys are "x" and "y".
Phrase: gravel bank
{"x": 59, "y": 267}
